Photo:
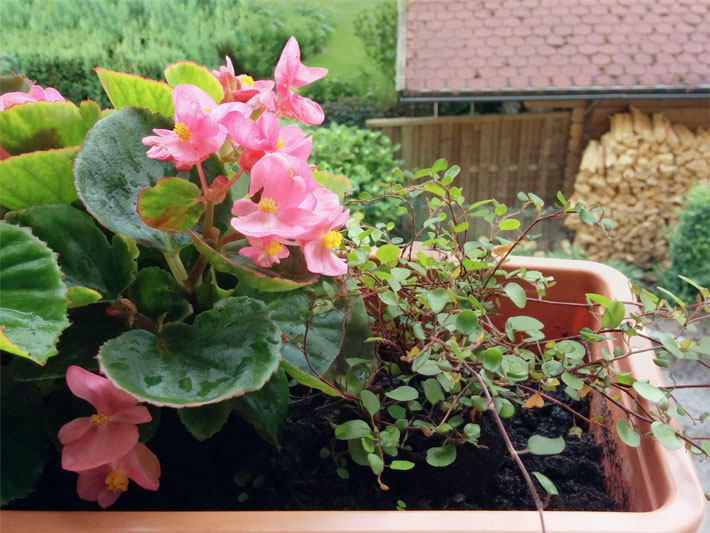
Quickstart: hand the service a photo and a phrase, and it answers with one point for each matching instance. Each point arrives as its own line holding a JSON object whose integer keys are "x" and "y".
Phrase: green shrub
{"x": 142, "y": 37}
{"x": 689, "y": 246}
{"x": 378, "y": 31}
{"x": 365, "y": 157}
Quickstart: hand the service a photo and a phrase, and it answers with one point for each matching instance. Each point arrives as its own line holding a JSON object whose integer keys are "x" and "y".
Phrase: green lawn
{"x": 344, "y": 55}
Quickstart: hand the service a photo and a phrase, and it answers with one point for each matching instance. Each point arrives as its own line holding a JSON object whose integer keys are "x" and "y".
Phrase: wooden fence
{"x": 499, "y": 155}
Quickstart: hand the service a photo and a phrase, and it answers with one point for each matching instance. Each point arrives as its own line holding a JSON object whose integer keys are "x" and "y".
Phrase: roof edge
{"x": 586, "y": 93}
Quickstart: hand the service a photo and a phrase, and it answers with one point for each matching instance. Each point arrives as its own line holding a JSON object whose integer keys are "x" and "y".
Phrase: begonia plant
{"x": 179, "y": 252}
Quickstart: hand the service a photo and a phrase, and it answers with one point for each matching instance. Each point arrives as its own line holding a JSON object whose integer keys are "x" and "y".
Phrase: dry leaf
{"x": 534, "y": 401}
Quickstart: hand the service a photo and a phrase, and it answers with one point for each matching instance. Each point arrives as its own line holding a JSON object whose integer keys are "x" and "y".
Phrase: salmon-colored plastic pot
{"x": 661, "y": 486}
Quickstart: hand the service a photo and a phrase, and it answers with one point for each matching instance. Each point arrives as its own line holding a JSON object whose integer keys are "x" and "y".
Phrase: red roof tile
{"x": 556, "y": 45}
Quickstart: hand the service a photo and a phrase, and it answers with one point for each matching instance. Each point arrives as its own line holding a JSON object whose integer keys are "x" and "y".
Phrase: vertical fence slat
{"x": 499, "y": 155}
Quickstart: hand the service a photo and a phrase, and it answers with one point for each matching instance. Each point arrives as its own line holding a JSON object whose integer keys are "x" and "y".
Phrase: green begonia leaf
{"x": 194, "y": 74}
{"x": 85, "y": 255}
{"x": 44, "y": 126}
{"x": 38, "y": 178}
{"x": 131, "y": 90}
{"x": 33, "y": 305}
{"x": 266, "y": 409}
{"x": 156, "y": 294}
{"x": 171, "y": 205}
{"x": 325, "y": 331}
{"x": 228, "y": 351}
{"x": 90, "y": 328}
{"x": 333, "y": 182}
{"x": 206, "y": 420}
{"x": 230, "y": 262}
{"x": 112, "y": 168}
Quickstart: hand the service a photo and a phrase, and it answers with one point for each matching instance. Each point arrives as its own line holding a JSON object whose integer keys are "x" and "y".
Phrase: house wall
{"x": 499, "y": 155}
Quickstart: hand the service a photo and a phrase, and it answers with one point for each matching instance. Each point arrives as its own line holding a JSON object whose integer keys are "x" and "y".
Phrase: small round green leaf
{"x": 492, "y": 359}
{"x": 352, "y": 429}
{"x": 539, "y": 445}
{"x": 375, "y": 462}
{"x": 648, "y": 391}
{"x": 432, "y": 391}
{"x": 627, "y": 434}
{"x": 666, "y": 435}
{"x": 387, "y": 253}
{"x": 509, "y": 224}
{"x": 404, "y": 393}
{"x": 437, "y": 299}
{"x": 548, "y": 485}
{"x": 516, "y": 294}
{"x": 441, "y": 456}
{"x": 370, "y": 401}
{"x": 614, "y": 315}
{"x": 466, "y": 322}
{"x": 401, "y": 465}
{"x": 228, "y": 351}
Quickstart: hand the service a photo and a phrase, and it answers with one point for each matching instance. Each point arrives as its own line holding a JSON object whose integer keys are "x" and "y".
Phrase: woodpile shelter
{"x": 571, "y": 65}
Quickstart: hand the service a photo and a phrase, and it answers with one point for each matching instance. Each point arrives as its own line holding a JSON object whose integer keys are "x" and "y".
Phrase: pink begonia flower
{"x": 290, "y": 73}
{"x": 36, "y": 94}
{"x": 303, "y": 109}
{"x": 105, "y": 483}
{"x": 197, "y": 132}
{"x": 266, "y": 136}
{"x": 50, "y": 94}
{"x": 319, "y": 243}
{"x": 105, "y": 436}
{"x": 285, "y": 207}
{"x": 241, "y": 88}
{"x": 264, "y": 252}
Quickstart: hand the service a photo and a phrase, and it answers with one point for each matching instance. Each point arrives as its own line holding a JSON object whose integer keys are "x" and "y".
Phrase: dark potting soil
{"x": 236, "y": 470}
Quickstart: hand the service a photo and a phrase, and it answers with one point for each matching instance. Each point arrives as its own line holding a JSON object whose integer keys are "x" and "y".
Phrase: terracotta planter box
{"x": 661, "y": 486}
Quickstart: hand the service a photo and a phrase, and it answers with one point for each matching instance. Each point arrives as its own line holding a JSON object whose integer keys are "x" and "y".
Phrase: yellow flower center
{"x": 267, "y": 205}
{"x": 116, "y": 482}
{"x": 182, "y": 132}
{"x": 280, "y": 143}
{"x": 247, "y": 80}
{"x": 273, "y": 248}
{"x": 99, "y": 420}
{"x": 332, "y": 239}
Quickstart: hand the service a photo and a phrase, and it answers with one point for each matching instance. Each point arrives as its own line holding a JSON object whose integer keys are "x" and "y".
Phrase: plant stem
{"x": 511, "y": 450}
{"x": 176, "y": 266}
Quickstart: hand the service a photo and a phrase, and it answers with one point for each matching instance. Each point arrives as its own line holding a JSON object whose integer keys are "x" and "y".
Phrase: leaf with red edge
{"x": 194, "y": 74}
{"x": 230, "y": 262}
{"x": 132, "y": 90}
{"x": 171, "y": 205}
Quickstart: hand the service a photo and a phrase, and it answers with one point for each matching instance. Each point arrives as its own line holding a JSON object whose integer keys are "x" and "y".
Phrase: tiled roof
{"x": 474, "y": 46}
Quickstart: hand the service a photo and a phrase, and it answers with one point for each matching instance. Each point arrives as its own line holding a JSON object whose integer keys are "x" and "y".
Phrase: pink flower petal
{"x": 107, "y": 498}
{"x": 137, "y": 414}
{"x": 142, "y": 466}
{"x": 98, "y": 391}
{"x": 290, "y": 71}
{"x": 320, "y": 260}
{"x": 74, "y": 430}
{"x": 99, "y": 445}
{"x": 92, "y": 482}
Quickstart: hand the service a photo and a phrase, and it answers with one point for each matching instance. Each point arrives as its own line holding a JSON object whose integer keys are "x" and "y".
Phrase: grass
{"x": 344, "y": 55}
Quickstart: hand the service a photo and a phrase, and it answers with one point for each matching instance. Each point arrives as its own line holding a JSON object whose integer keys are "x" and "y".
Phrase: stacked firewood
{"x": 639, "y": 172}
